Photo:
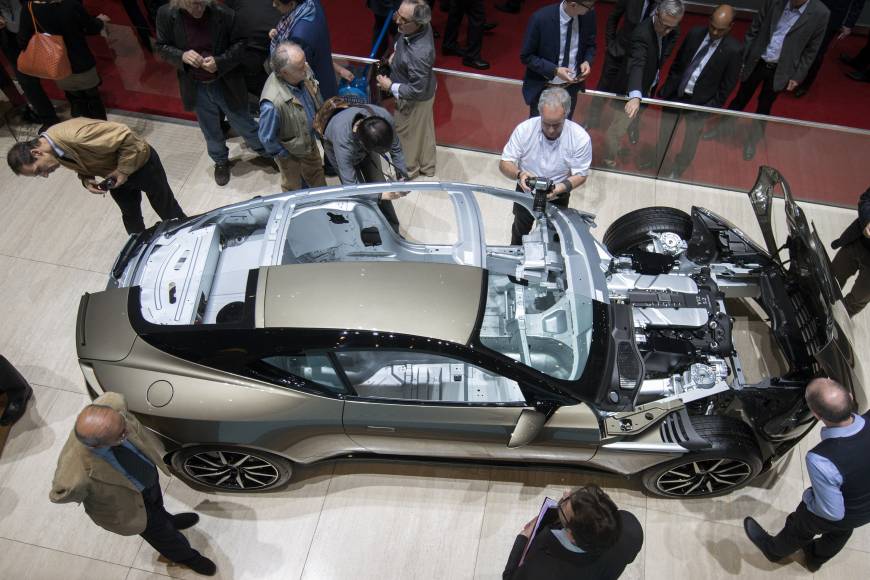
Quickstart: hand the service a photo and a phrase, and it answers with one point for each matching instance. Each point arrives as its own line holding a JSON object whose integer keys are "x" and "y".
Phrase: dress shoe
{"x": 487, "y": 26}
{"x": 185, "y": 520}
{"x": 810, "y": 561}
{"x": 509, "y": 8}
{"x": 633, "y": 134}
{"x": 222, "y": 173}
{"x": 860, "y": 76}
{"x": 849, "y": 60}
{"x": 759, "y": 537}
{"x": 452, "y": 50}
{"x": 15, "y": 408}
{"x": 477, "y": 63}
{"x": 799, "y": 92}
{"x": 266, "y": 161}
{"x": 748, "y": 151}
{"x": 201, "y": 565}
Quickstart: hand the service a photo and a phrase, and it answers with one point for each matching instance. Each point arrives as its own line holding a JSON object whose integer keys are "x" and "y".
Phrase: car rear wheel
{"x": 632, "y": 231}
{"x": 217, "y": 468}
{"x": 732, "y": 462}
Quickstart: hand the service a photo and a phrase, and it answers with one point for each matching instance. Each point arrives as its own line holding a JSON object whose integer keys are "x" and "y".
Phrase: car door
{"x": 415, "y": 403}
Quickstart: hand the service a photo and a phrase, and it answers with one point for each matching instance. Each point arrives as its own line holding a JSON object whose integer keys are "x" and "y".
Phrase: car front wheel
{"x": 731, "y": 462}
{"x": 233, "y": 469}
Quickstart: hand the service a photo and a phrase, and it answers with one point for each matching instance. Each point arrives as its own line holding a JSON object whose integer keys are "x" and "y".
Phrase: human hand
{"x": 384, "y": 82}
{"x": 585, "y": 69}
{"x": 792, "y": 85}
{"x": 272, "y": 34}
{"x": 565, "y": 74}
{"x": 524, "y": 175}
{"x": 119, "y": 177}
{"x": 344, "y": 73}
{"x": 844, "y": 32}
{"x": 104, "y": 18}
{"x": 632, "y": 107}
{"x": 209, "y": 64}
{"x": 391, "y": 195}
{"x": 2, "y": 23}
{"x": 91, "y": 185}
{"x": 867, "y": 231}
{"x": 529, "y": 527}
{"x": 192, "y": 58}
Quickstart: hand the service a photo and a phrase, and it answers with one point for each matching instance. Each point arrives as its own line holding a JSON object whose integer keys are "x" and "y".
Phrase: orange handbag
{"x": 45, "y": 56}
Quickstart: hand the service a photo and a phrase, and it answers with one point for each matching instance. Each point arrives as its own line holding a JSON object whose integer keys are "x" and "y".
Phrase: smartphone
{"x": 107, "y": 184}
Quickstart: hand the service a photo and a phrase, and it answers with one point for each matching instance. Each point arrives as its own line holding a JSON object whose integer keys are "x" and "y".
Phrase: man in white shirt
{"x": 549, "y": 146}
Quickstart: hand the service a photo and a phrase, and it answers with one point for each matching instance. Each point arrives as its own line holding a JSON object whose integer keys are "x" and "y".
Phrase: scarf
{"x": 304, "y": 11}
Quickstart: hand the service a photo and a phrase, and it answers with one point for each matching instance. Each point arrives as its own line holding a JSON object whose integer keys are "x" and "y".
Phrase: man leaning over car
{"x": 92, "y": 148}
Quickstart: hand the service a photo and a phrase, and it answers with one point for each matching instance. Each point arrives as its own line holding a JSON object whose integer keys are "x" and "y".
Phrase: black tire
{"x": 632, "y": 230}
{"x": 222, "y": 468}
{"x": 734, "y": 458}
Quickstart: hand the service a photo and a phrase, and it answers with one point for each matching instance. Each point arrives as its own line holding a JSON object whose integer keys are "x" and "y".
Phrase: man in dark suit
{"x": 584, "y": 536}
{"x": 651, "y": 44}
{"x": 558, "y": 50}
{"x": 704, "y": 73}
{"x": 844, "y": 15}
{"x": 617, "y": 42}
{"x": 476, "y": 14}
{"x": 854, "y": 256}
{"x": 778, "y": 50}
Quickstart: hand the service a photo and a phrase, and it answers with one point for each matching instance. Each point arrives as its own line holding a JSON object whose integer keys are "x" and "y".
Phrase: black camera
{"x": 541, "y": 186}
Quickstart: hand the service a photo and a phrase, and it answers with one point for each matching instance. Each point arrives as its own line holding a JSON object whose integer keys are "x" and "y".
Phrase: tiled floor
{"x": 346, "y": 520}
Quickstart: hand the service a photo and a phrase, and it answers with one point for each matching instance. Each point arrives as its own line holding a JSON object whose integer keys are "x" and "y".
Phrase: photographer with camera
{"x": 549, "y": 146}
{"x": 411, "y": 80}
{"x": 91, "y": 148}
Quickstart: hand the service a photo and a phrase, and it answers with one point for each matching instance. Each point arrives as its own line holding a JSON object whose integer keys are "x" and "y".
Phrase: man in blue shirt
{"x": 109, "y": 464}
{"x": 838, "y": 501}
{"x": 288, "y": 104}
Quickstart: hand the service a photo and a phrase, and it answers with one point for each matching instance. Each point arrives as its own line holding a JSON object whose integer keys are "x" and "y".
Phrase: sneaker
{"x": 185, "y": 520}
{"x": 201, "y": 565}
{"x": 222, "y": 173}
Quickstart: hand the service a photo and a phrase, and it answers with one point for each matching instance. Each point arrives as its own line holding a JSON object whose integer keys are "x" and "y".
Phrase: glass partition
{"x": 823, "y": 163}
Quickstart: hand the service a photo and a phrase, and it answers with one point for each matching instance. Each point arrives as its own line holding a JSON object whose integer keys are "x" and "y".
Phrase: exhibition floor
{"x": 345, "y": 519}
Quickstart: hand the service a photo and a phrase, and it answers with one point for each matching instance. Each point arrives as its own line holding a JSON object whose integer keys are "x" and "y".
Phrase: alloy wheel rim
{"x": 704, "y": 477}
{"x": 231, "y": 470}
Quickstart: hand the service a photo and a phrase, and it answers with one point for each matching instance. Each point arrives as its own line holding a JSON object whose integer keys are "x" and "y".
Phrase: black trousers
{"x": 160, "y": 532}
{"x": 800, "y": 531}
{"x": 572, "y": 89}
{"x": 369, "y": 171}
{"x": 86, "y": 103}
{"x": 851, "y": 259}
{"x": 762, "y": 74}
{"x": 11, "y": 382}
{"x": 476, "y": 14}
{"x": 30, "y": 86}
{"x": 150, "y": 178}
{"x": 523, "y": 219}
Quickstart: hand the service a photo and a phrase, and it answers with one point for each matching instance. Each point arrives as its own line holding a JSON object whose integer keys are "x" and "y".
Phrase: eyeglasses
{"x": 563, "y": 517}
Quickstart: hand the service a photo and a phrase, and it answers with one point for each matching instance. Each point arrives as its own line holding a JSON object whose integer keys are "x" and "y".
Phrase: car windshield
{"x": 542, "y": 324}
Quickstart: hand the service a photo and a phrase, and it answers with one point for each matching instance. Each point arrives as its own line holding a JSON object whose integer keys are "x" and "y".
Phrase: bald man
{"x": 838, "y": 500}
{"x": 704, "y": 73}
{"x": 290, "y": 99}
{"x": 109, "y": 464}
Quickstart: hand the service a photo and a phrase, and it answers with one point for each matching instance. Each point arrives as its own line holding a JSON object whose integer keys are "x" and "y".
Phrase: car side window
{"x": 300, "y": 371}
{"x": 419, "y": 376}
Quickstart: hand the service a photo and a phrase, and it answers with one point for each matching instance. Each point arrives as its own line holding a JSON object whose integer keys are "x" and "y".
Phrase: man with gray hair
{"x": 412, "y": 82}
{"x": 838, "y": 499}
{"x": 109, "y": 464}
{"x": 289, "y": 101}
{"x": 547, "y": 146}
{"x": 651, "y": 43}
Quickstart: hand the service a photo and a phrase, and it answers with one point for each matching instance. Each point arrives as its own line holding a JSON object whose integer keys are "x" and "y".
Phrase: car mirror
{"x": 528, "y": 428}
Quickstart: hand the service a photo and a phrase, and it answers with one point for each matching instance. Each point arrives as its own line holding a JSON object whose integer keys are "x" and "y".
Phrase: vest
{"x": 294, "y": 131}
{"x": 849, "y": 455}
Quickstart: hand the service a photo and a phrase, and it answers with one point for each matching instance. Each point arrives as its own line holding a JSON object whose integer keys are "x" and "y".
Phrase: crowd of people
{"x": 279, "y": 52}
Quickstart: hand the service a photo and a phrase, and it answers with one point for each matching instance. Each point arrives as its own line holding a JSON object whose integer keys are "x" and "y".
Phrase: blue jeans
{"x": 210, "y": 105}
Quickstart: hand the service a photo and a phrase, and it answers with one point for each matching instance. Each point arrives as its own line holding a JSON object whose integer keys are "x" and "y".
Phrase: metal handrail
{"x": 658, "y": 102}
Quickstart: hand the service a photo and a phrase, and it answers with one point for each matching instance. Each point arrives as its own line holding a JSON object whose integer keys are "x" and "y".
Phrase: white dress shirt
{"x": 570, "y": 154}
{"x": 783, "y": 26}
{"x": 690, "y": 86}
{"x": 564, "y": 19}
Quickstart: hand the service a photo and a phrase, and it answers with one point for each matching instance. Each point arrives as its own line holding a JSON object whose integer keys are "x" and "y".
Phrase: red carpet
{"x": 478, "y": 114}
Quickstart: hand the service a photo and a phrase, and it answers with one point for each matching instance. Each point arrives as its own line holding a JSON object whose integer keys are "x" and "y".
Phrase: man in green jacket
{"x": 93, "y": 148}
{"x": 288, "y": 104}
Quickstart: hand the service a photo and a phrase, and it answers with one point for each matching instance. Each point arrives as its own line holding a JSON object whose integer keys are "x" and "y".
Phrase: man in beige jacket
{"x": 108, "y": 464}
{"x": 93, "y": 148}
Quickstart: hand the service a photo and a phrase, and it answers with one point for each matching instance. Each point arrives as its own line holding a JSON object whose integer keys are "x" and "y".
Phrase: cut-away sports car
{"x": 300, "y": 327}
